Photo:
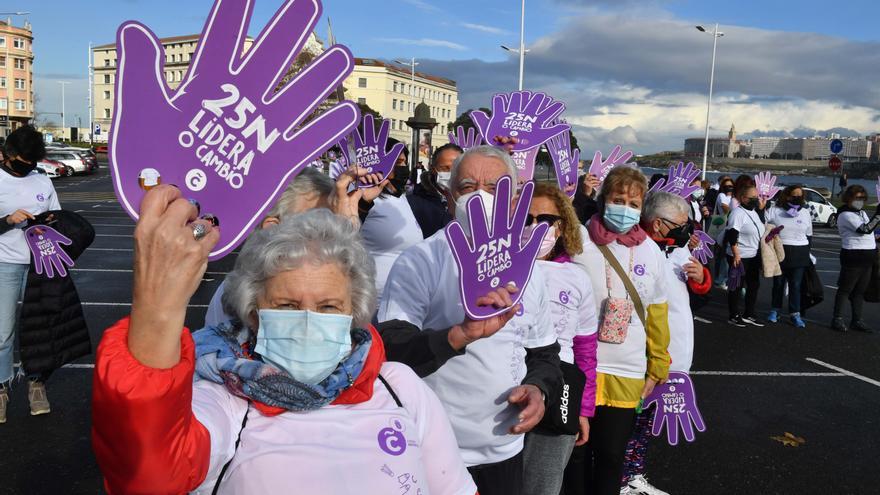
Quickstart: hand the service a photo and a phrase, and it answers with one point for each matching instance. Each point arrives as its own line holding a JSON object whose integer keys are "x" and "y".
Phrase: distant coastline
{"x": 855, "y": 170}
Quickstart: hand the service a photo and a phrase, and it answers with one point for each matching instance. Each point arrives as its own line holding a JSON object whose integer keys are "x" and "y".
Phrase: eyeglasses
{"x": 543, "y": 218}
{"x": 688, "y": 226}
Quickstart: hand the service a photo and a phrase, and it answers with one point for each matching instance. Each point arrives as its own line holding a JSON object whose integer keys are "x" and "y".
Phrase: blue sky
{"x": 633, "y": 72}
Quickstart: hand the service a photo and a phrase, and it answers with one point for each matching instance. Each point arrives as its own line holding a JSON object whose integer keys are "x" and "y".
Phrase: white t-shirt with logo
{"x": 33, "y": 193}
{"x": 648, "y": 275}
{"x": 796, "y": 229}
{"x": 847, "y": 223}
{"x": 572, "y": 304}
{"x": 724, "y": 199}
{"x": 423, "y": 289}
{"x": 389, "y": 229}
{"x": 681, "y": 319}
{"x": 751, "y": 231}
{"x": 374, "y": 447}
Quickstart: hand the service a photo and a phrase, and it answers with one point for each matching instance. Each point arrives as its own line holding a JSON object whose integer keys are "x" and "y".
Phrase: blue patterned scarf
{"x": 223, "y": 356}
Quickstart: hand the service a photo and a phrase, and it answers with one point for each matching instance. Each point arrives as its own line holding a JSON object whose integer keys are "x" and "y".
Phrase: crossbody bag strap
{"x": 390, "y": 390}
{"x": 627, "y": 283}
{"x": 237, "y": 441}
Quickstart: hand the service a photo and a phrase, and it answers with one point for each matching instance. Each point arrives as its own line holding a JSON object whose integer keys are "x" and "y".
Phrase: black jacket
{"x": 53, "y": 329}
{"x": 585, "y": 206}
{"x": 429, "y": 208}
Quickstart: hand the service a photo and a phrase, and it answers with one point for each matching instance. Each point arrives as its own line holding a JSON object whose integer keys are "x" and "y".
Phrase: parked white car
{"x": 69, "y": 158}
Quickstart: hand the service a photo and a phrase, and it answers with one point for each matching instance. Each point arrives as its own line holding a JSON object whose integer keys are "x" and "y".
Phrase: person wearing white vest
{"x": 294, "y": 393}
{"x": 494, "y": 392}
{"x": 857, "y": 255}
{"x": 665, "y": 219}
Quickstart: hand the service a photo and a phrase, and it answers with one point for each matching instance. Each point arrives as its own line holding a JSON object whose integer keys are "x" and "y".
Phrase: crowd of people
{"x": 337, "y": 356}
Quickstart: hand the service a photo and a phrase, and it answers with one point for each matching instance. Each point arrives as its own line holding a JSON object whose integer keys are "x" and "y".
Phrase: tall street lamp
{"x": 63, "y": 127}
{"x": 412, "y": 71}
{"x": 522, "y": 44}
{"x": 715, "y": 35}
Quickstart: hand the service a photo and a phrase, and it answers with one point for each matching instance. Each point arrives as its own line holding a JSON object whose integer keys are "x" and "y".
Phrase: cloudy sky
{"x": 631, "y": 72}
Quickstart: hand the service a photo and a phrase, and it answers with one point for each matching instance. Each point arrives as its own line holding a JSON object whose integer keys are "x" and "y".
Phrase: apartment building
{"x": 16, "y": 76}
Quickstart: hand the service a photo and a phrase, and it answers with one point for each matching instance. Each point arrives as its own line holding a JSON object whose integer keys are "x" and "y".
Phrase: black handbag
{"x": 561, "y": 416}
{"x": 812, "y": 291}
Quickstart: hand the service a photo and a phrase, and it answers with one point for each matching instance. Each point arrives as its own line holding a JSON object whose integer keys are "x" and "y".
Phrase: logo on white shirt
{"x": 639, "y": 270}
{"x": 40, "y": 197}
{"x": 391, "y": 440}
{"x": 564, "y": 296}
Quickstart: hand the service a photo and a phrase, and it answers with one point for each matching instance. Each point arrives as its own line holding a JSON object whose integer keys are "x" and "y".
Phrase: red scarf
{"x": 602, "y": 236}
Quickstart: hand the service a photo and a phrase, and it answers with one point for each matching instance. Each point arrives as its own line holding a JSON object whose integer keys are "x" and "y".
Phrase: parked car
{"x": 54, "y": 169}
{"x": 86, "y": 153}
{"x": 821, "y": 209}
{"x": 69, "y": 158}
{"x": 101, "y": 148}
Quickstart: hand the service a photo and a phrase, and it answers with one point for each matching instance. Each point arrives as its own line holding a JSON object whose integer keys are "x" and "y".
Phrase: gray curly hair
{"x": 486, "y": 151}
{"x": 313, "y": 236}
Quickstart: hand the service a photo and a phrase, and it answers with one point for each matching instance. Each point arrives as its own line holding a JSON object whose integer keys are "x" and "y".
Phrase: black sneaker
{"x": 736, "y": 321}
{"x": 751, "y": 320}
{"x": 839, "y": 325}
{"x": 860, "y": 326}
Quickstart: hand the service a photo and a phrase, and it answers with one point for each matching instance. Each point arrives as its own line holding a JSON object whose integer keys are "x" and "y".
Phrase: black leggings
{"x": 851, "y": 284}
{"x": 597, "y": 467}
{"x": 752, "y": 283}
{"x": 500, "y": 478}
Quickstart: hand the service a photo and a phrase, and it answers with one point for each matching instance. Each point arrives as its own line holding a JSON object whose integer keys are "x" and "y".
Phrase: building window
{"x": 2, "y": 41}
{"x": 395, "y": 86}
{"x": 2, "y": 82}
{"x": 362, "y": 82}
{"x": 19, "y": 83}
{"x": 17, "y": 43}
{"x": 106, "y": 113}
{"x": 19, "y": 105}
{"x": 106, "y": 95}
{"x": 3, "y": 104}
{"x": 173, "y": 58}
{"x": 394, "y": 104}
{"x": 393, "y": 124}
{"x": 106, "y": 62}
{"x": 19, "y": 63}
{"x": 2, "y": 61}
{"x": 362, "y": 101}
{"x": 106, "y": 78}
{"x": 402, "y": 88}
{"x": 170, "y": 76}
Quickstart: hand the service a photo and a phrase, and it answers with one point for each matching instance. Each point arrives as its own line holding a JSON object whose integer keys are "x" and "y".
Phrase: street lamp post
{"x": 715, "y": 35}
{"x": 412, "y": 72}
{"x": 522, "y": 44}
{"x": 63, "y": 127}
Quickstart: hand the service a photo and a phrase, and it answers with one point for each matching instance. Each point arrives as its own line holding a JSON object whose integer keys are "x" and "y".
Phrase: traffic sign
{"x": 836, "y": 146}
{"x": 835, "y": 163}
{"x": 97, "y": 129}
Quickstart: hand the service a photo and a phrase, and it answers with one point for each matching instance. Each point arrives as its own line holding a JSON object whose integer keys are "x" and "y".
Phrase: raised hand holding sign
{"x": 472, "y": 139}
{"x": 491, "y": 259}
{"x": 679, "y": 181}
{"x": 45, "y": 245}
{"x": 566, "y": 162}
{"x": 369, "y": 150}
{"x": 225, "y": 136}
{"x": 766, "y": 184}
{"x": 676, "y": 408}
{"x": 529, "y": 117}
{"x": 600, "y": 167}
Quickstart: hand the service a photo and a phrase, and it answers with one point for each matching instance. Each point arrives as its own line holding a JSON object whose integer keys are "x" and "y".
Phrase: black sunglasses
{"x": 687, "y": 226}
{"x": 544, "y": 218}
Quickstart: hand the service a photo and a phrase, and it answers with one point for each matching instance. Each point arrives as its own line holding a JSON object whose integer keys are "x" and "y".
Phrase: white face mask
{"x": 858, "y": 204}
{"x": 461, "y": 212}
{"x": 443, "y": 179}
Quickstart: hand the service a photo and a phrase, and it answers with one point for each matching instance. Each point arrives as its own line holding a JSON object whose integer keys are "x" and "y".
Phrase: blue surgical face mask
{"x": 621, "y": 218}
{"x": 307, "y": 345}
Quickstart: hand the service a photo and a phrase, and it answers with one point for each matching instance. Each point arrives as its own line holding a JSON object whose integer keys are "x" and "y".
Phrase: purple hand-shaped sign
{"x": 525, "y": 164}
{"x": 676, "y": 408}
{"x": 679, "y": 181}
{"x": 766, "y": 184}
{"x": 369, "y": 149}
{"x": 472, "y": 139}
{"x": 703, "y": 250}
{"x": 225, "y": 136}
{"x": 600, "y": 167}
{"x": 735, "y": 276}
{"x": 489, "y": 259}
{"x": 529, "y": 117}
{"x": 45, "y": 244}
{"x": 566, "y": 162}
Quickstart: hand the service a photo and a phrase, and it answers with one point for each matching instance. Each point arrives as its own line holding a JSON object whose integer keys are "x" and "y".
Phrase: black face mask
{"x": 751, "y": 204}
{"x": 727, "y": 189}
{"x": 401, "y": 176}
{"x": 21, "y": 168}
{"x": 677, "y": 237}
{"x": 796, "y": 201}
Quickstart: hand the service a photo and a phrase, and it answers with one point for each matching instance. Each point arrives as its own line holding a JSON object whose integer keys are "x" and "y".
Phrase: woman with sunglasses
{"x": 573, "y": 311}
{"x": 796, "y": 236}
{"x": 857, "y": 256}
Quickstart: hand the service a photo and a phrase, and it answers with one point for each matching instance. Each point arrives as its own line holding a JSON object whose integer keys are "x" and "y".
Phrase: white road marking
{"x": 845, "y": 372}
{"x": 702, "y": 320}
{"x": 763, "y": 373}
{"x": 831, "y": 287}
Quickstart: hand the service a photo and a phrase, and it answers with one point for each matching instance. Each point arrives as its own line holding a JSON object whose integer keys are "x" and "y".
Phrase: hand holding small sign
{"x": 676, "y": 408}
{"x": 600, "y": 167}
{"x": 491, "y": 259}
{"x": 679, "y": 181}
{"x": 566, "y": 162}
{"x": 228, "y": 135}
{"x": 530, "y": 117}
{"x": 369, "y": 150}
{"x": 45, "y": 245}
{"x": 472, "y": 139}
{"x": 766, "y": 184}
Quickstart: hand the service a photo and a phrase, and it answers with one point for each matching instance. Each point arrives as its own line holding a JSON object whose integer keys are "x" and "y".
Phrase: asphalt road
{"x": 752, "y": 384}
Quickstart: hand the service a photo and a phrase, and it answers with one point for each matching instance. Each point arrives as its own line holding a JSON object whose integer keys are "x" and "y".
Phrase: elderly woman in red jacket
{"x": 294, "y": 391}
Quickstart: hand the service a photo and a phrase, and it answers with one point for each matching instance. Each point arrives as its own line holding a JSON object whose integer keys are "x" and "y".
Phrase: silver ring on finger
{"x": 199, "y": 231}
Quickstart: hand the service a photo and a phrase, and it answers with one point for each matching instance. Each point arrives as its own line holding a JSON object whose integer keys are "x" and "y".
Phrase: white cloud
{"x": 422, "y": 4}
{"x": 485, "y": 29}
{"x": 430, "y": 42}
